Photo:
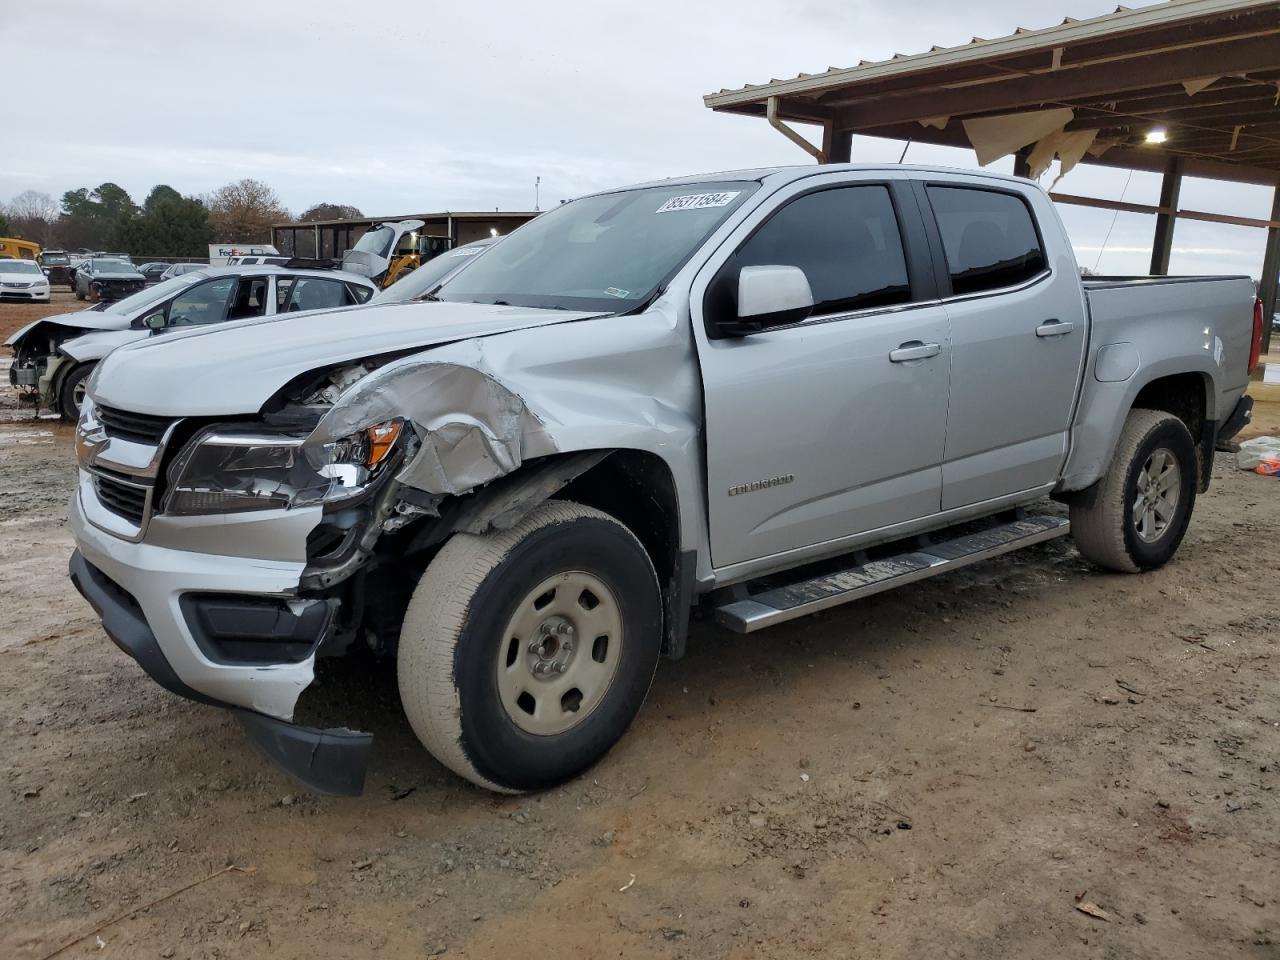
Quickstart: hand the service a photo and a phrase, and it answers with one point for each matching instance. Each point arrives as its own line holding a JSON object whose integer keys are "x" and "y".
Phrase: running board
{"x": 780, "y": 604}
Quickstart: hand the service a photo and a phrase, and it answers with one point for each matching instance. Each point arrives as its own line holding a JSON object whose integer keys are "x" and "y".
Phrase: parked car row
{"x": 54, "y": 357}
{"x": 766, "y": 393}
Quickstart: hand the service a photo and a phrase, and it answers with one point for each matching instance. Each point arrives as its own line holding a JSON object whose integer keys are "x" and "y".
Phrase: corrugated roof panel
{"x": 1022, "y": 40}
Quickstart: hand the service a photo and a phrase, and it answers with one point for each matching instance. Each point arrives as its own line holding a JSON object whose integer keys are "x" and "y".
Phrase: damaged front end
{"x": 38, "y": 363}
{"x": 228, "y": 557}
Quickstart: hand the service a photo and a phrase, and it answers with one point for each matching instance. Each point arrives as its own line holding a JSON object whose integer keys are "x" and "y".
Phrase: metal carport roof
{"x": 1204, "y": 74}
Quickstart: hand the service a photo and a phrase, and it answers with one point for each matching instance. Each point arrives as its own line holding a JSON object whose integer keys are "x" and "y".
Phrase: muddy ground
{"x": 951, "y": 770}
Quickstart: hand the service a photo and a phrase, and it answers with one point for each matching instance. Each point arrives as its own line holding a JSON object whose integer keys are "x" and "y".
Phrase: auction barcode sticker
{"x": 698, "y": 201}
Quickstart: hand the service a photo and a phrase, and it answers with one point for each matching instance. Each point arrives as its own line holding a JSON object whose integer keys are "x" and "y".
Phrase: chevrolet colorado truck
{"x": 760, "y": 393}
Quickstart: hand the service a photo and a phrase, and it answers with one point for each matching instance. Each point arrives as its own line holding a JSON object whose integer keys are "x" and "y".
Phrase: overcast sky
{"x": 426, "y": 106}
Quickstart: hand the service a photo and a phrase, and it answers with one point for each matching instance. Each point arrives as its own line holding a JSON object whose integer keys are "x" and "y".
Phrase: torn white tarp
{"x": 996, "y": 137}
{"x": 938, "y": 123}
{"x": 1195, "y": 86}
{"x": 471, "y": 428}
{"x": 1069, "y": 146}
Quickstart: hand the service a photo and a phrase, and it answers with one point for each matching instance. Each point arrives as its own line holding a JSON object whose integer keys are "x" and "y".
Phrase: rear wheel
{"x": 1134, "y": 518}
{"x": 526, "y": 653}
{"x": 71, "y": 393}
{"x": 76, "y": 287}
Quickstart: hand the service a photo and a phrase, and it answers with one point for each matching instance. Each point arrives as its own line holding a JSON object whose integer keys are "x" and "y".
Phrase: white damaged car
{"x": 54, "y": 357}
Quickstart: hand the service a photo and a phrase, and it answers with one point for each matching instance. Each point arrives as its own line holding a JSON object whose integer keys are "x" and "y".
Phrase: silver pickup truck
{"x": 760, "y": 393}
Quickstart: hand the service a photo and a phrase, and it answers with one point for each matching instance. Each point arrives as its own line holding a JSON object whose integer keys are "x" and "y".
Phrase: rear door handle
{"x": 1054, "y": 328}
{"x": 914, "y": 350}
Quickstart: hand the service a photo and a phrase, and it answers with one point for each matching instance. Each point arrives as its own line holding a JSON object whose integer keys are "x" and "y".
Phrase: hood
{"x": 98, "y": 343}
{"x": 235, "y": 369}
{"x": 373, "y": 265}
{"x": 91, "y": 319}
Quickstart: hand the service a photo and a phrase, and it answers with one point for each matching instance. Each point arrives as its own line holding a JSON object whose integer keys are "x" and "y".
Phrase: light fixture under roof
{"x": 1157, "y": 135}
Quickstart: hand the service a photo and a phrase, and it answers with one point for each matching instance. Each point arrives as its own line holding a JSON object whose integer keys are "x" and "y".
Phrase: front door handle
{"x": 1054, "y": 328}
{"x": 914, "y": 350}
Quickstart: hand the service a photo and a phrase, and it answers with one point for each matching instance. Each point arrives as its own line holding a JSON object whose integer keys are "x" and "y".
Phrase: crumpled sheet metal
{"x": 471, "y": 429}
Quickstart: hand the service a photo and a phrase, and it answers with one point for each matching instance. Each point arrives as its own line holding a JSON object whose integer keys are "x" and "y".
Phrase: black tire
{"x": 76, "y": 289}
{"x": 72, "y": 386}
{"x": 1107, "y": 523}
{"x": 454, "y": 645}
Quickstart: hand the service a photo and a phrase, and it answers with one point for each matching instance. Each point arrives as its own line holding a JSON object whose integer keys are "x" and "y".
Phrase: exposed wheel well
{"x": 1185, "y": 395}
{"x": 637, "y": 488}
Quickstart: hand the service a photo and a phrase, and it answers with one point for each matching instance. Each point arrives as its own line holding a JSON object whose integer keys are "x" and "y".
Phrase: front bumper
{"x": 37, "y": 295}
{"x": 117, "y": 289}
{"x": 138, "y": 590}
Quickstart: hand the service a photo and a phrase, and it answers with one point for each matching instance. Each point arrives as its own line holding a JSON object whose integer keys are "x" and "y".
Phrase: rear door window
{"x": 989, "y": 238}
{"x": 313, "y": 293}
{"x": 250, "y": 299}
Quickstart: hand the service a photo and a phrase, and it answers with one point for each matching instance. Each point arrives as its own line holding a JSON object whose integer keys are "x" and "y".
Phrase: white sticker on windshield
{"x": 615, "y": 292}
{"x": 698, "y": 201}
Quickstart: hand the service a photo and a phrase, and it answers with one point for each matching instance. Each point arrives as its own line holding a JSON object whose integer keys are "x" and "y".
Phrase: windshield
{"x": 376, "y": 241}
{"x": 55, "y": 259}
{"x": 431, "y": 273}
{"x": 608, "y": 252}
{"x": 19, "y": 266}
{"x": 111, "y": 266}
{"x": 144, "y": 298}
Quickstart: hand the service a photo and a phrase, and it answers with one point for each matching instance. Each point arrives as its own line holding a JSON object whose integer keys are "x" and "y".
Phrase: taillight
{"x": 1255, "y": 349}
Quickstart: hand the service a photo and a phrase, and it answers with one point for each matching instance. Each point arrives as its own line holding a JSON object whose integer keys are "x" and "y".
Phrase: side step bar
{"x": 780, "y": 604}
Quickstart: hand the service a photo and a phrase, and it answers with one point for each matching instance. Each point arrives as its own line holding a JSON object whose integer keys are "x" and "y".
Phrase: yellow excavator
{"x": 392, "y": 250}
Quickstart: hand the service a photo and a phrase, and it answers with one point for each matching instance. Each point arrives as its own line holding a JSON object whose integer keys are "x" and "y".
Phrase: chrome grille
{"x": 138, "y": 427}
{"x": 122, "y": 499}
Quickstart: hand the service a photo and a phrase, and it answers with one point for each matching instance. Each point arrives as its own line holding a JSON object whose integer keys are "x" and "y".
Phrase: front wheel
{"x": 1134, "y": 518}
{"x": 526, "y": 653}
{"x": 71, "y": 393}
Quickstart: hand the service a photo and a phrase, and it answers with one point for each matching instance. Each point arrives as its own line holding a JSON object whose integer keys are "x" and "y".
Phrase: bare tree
{"x": 33, "y": 215}
{"x": 243, "y": 212}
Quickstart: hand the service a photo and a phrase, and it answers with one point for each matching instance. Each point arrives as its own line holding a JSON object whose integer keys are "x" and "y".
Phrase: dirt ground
{"x": 950, "y": 770}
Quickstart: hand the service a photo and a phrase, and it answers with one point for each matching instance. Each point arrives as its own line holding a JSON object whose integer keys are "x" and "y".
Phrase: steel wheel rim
{"x": 77, "y": 394}
{"x": 1156, "y": 494}
{"x": 559, "y": 653}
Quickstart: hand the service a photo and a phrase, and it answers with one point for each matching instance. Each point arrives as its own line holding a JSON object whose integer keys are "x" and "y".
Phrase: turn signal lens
{"x": 382, "y": 437}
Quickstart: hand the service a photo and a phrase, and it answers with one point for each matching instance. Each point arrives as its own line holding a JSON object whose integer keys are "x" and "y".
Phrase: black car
{"x": 153, "y": 271}
{"x": 57, "y": 267}
{"x": 103, "y": 279}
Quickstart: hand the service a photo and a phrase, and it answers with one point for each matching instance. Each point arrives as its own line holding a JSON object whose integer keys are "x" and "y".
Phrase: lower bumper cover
{"x": 326, "y": 761}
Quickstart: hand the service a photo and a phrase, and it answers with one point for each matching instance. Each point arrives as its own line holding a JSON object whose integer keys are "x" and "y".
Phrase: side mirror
{"x": 772, "y": 295}
{"x": 154, "y": 321}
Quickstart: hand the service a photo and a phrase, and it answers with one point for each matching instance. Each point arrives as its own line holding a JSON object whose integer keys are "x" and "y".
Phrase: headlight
{"x": 233, "y": 468}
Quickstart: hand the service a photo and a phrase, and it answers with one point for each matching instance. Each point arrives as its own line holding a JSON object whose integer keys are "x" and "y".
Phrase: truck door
{"x": 832, "y": 426}
{"x": 1018, "y": 341}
